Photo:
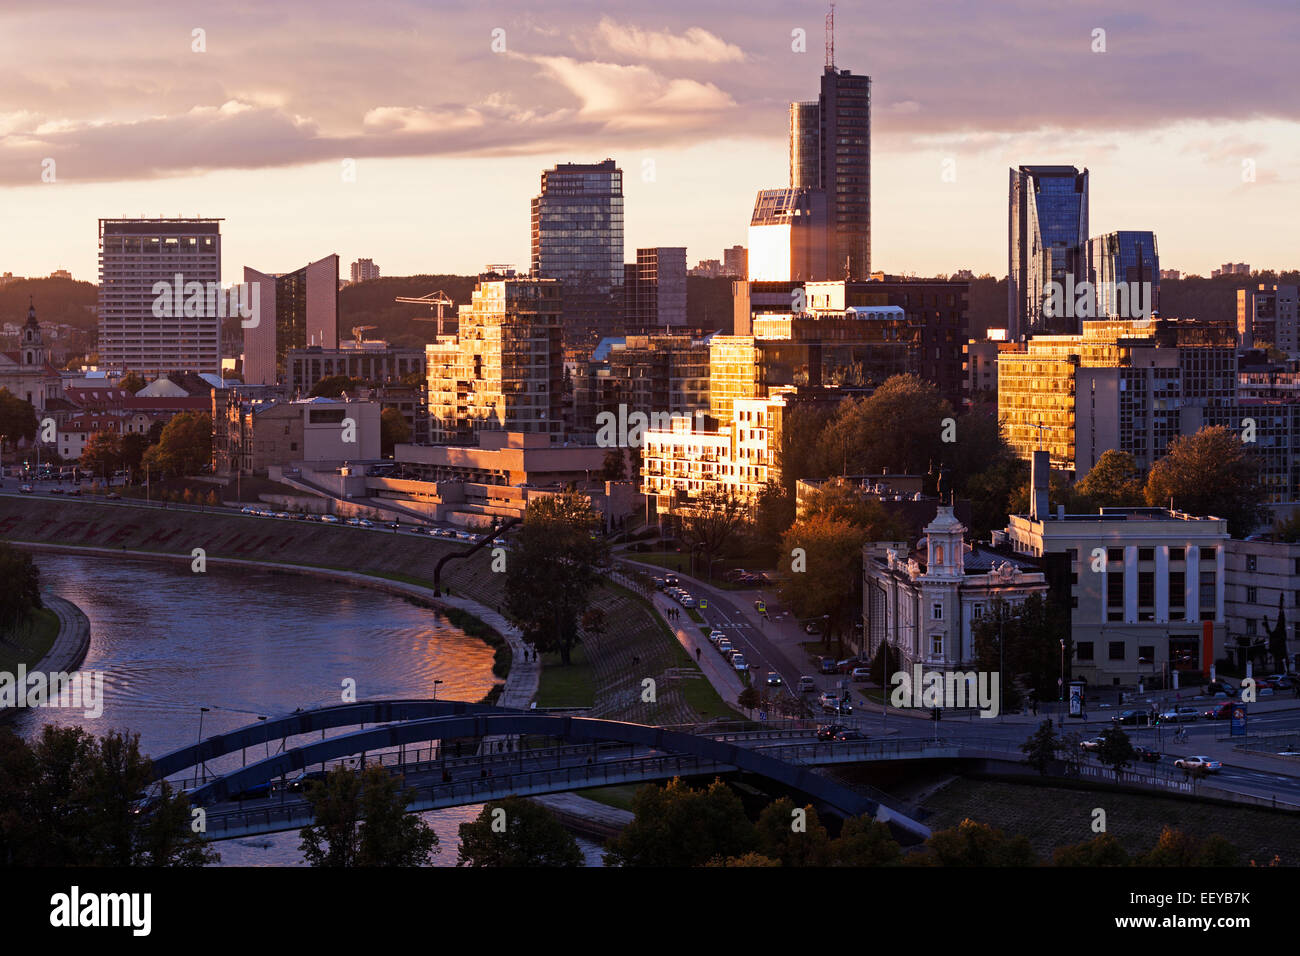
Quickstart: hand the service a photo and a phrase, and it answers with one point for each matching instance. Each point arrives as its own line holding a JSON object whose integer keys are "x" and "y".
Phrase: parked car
{"x": 831, "y": 703}
{"x": 1221, "y": 688}
{"x": 1207, "y": 764}
{"x": 715, "y": 636}
{"x": 773, "y": 679}
{"x": 861, "y": 673}
{"x": 828, "y": 731}
{"x": 806, "y": 684}
{"x": 329, "y": 519}
{"x": 1136, "y": 718}
{"x": 738, "y": 661}
{"x": 848, "y": 665}
{"x": 1282, "y": 681}
{"x": 813, "y": 627}
{"x": 1178, "y": 715}
{"x": 724, "y": 645}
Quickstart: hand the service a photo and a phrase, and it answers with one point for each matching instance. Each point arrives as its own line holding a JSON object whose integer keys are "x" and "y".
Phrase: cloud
{"x": 695, "y": 44}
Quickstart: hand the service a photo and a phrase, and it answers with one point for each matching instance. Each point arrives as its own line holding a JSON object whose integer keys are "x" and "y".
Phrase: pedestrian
{"x": 697, "y": 653}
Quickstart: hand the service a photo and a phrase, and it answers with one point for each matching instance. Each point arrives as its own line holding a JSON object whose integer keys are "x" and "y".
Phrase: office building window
{"x": 1252, "y": 595}
{"x": 1084, "y": 650}
{"x": 1116, "y": 649}
{"x": 1252, "y": 562}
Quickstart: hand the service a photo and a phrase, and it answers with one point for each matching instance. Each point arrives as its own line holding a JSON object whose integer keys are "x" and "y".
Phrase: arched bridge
{"x": 599, "y": 752}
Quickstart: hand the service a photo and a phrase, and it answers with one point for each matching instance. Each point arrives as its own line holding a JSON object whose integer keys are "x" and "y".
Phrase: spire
{"x": 31, "y": 311}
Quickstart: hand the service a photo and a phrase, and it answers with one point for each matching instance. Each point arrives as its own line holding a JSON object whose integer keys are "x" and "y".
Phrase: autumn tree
{"x": 184, "y": 446}
{"x": 712, "y": 521}
{"x": 131, "y": 382}
{"x": 1102, "y": 850}
{"x": 1114, "y": 481}
{"x": 393, "y": 430}
{"x": 975, "y": 844}
{"x": 675, "y": 825}
{"x": 865, "y": 841}
{"x": 1209, "y": 473}
{"x": 1041, "y": 747}
{"x": 793, "y": 835}
{"x": 823, "y": 558}
{"x": 899, "y": 427}
{"x": 333, "y": 386}
{"x": 102, "y": 453}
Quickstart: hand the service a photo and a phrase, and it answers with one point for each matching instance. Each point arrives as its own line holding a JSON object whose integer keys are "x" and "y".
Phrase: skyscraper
{"x": 788, "y": 235}
{"x": 364, "y": 270}
{"x": 1126, "y": 258}
{"x": 578, "y": 239}
{"x": 137, "y": 257}
{"x": 654, "y": 289}
{"x": 294, "y": 310}
{"x": 1047, "y": 234}
{"x": 830, "y": 149}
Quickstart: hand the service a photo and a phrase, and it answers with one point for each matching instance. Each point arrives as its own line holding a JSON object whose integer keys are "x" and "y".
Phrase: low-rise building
{"x": 1263, "y": 582}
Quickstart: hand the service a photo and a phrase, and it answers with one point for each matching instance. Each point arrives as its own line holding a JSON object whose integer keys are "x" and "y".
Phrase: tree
{"x": 675, "y": 825}
{"x": 1101, "y": 850}
{"x": 1210, "y": 473}
{"x": 864, "y": 841}
{"x": 1277, "y": 636}
{"x": 17, "y": 420}
{"x": 1176, "y": 848}
{"x": 1041, "y": 747}
{"x": 21, "y": 593}
{"x": 1031, "y": 633}
{"x": 976, "y": 844}
{"x": 711, "y": 521}
{"x": 102, "y": 453}
{"x": 335, "y": 385}
{"x": 361, "y": 820}
{"x": 778, "y": 838}
{"x": 184, "y": 446}
{"x": 1059, "y": 492}
{"x": 796, "y": 456}
{"x": 773, "y": 515}
{"x": 517, "y": 832}
{"x": 885, "y": 663}
{"x": 899, "y": 427}
{"x": 131, "y": 382}
{"x": 823, "y": 555}
{"x": 393, "y": 430}
{"x": 749, "y": 698}
{"x": 1114, "y": 481}
{"x": 614, "y": 467}
{"x": 553, "y": 570}
{"x": 1116, "y": 750}
{"x": 744, "y": 860}
{"x": 133, "y": 447}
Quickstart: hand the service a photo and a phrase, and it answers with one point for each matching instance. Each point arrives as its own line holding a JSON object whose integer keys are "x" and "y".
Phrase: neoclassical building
{"x": 924, "y": 602}
{"x": 26, "y": 372}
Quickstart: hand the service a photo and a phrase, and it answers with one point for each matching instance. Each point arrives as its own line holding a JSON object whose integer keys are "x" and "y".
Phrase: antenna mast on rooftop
{"x": 830, "y": 39}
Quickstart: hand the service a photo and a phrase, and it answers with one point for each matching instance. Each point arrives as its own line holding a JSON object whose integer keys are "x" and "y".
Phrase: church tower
{"x": 33, "y": 345}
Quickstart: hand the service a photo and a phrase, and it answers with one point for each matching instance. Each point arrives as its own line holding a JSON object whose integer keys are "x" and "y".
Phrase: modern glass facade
{"x": 1047, "y": 241}
{"x": 578, "y": 239}
{"x": 788, "y": 235}
{"x": 1124, "y": 258}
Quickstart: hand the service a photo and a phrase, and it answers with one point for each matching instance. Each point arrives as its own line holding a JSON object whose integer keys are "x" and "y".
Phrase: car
{"x": 1221, "y": 688}
{"x": 844, "y": 735}
{"x": 395, "y": 525}
{"x": 1219, "y": 711}
{"x": 807, "y": 684}
{"x": 1092, "y": 743}
{"x": 1136, "y": 718}
{"x": 1178, "y": 715}
{"x": 848, "y": 665}
{"x": 861, "y": 673}
{"x": 660, "y": 584}
{"x": 773, "y": 679}
{"x": 248, "y": 510}
{"x": 832, "y": 704}
{"x": 1146, "y": 754}
{"x": 26, "y": 489}
{"x": 113, "y": 496}
{"x": 688, "y": 601}
{"x": 74, "y": 491}
{"x": 671, "y": 580}
{"x": 1282, "y": 681}
{"x": 724, "y": 646}
{"x": 1199, "y": 762}
{"x": 760, "y": 607}
{"x": 738, "y": 661}
{"x": 827, "y": 665}
{"x": 828, "y": 731}
{"x": 56, "y": 491}
{"x": 329, "y": 519}
{"x": 716, "y": 635}
{"x": 365, "y": 523}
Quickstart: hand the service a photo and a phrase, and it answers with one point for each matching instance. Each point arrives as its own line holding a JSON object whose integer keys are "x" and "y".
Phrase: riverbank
{"x": 67, "y": 651}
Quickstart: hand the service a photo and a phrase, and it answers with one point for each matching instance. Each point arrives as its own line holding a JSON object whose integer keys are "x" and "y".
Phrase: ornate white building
{"x": 925, "y": 602}
{"x": 26, "y": 371}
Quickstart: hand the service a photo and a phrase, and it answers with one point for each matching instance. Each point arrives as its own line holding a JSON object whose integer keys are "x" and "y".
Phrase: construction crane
{"x": 358, "y": 329}
{"x": 439, "y": 300}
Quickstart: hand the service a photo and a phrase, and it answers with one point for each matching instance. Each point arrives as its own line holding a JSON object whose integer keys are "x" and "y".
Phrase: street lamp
{"x": 435, "y": 689}
{"x": 202, "y": 764}
{"x": 1060, "y": 685}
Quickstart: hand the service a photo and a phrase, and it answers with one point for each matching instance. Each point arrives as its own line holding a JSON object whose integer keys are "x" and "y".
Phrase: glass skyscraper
{"x": 578, "y": 239}
{"x": 1047, "y": 227}
{"x": 1126, "y": 257}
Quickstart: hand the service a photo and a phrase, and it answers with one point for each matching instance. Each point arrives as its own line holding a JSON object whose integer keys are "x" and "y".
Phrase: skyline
{"x": 448, "y": 159}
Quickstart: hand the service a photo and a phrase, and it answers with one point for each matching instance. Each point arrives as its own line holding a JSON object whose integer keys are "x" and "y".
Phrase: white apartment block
{"x": 134, "y": 255}
{"x": 1261, "y": 575}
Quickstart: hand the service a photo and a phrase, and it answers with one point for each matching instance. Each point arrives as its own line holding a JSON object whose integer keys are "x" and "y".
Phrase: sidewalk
{"x": 724, "y": 678}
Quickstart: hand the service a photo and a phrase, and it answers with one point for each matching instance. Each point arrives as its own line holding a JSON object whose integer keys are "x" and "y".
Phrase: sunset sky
{"x": 449, "y": 137}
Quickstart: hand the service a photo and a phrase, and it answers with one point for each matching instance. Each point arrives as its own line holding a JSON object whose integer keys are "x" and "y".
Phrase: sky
{"x": 415, "y": 133}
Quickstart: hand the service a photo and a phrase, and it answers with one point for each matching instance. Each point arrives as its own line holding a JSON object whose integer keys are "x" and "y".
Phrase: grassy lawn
{"x": 672, "y": 560}
{"x": 571, "y": 686}
{"x": 705, "y": 700}
{"x": 695, "y": 615}
{"x": 32, "y": 639}
{"x": 619, "y": 797}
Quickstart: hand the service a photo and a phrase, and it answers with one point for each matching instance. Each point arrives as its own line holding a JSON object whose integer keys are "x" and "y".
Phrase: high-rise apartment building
{"x": 1267, "y": 316}
{"x": 504, "y": 369}
{"x": 651, "y": 374}
{"x": 788, "y": 235}
{"x": 830, "y": 150}
{"x": 654, "y": 289}
{"x": 295, "y": 310}
{"x": 364, "y": 269}
{"x": 735, "y": 262}
{"x": 146, "y": 323}
{"x": 1047, "y": 230}
{"x": 1124, "y": 269}
{"x": 578, "y": 239}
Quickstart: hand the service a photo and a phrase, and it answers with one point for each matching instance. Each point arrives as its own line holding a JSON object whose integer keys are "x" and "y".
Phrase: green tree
{"x": 885, "y": 663}
{"x": 1176, "y": 848}
{"x": 517, "y": 832}
{"x": 744, "y": 860}
{"x": 134, "y": 445}
{"x": 1210, "y": 473}
{"x": 797, "y": 455}
{"x": 711, "y": 522}
{"x": 1114, "y": 481}
{"x": 675, "y": 826}
{"x": 793, "y": 835}
{"x": 865, "y": 842}
{"x": 1277, "y": 636}
{"x": 21, "y": 593}
{"x": 553, "y": 570}
{"x": 131, "y": 382}
{"x": 1101, "y": 850}
{"x": 361, "y": 820}
{"x": 614, "y": 466}
{"x": 975, "y": 844}
{"x": 1041, "y": 747}
{"x": 17, "y": 420}
{"x": 335, "y": 385}
{"x": 749, "y": 698}
{"x": 184, "y": 446}
{"x": 1116, "y": 750}
{"x": 773, "y": 515}
{"x": 900, "y": 426}
{"x": 393, "y": 430}
{"x": 1032, "y": 631}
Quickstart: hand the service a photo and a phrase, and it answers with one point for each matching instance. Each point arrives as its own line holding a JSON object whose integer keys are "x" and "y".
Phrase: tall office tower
{"x": 1119, "y": 265}
{"x": 139, "y": 330}
{"x": 1267, "y": 316}
{"x": 578, "y": 239}
{"x": 654, "y": 289}
{"x": 788, "y": 235}
{"x": 1047, "y": 234}
{"x": 295, "y": 310}
{"x": 364, "y": 269}
{"x": 830, "y": 149}
{"x": 504, "y": 369}
{"x": 735, "y": 262}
